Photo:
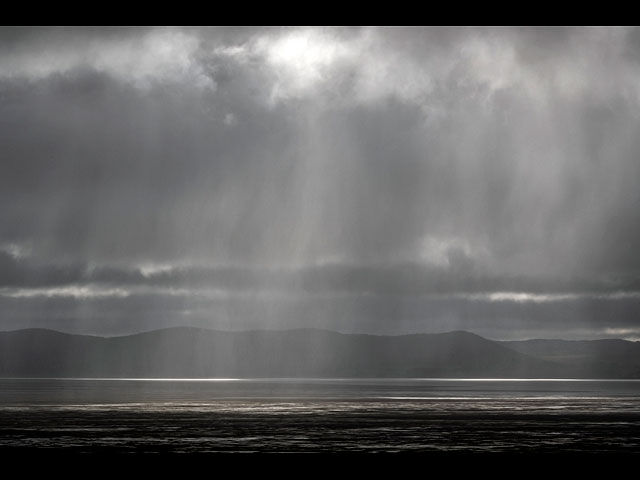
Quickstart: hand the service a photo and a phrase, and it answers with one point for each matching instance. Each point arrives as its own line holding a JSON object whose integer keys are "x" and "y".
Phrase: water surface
{"x": 297, "y": 415}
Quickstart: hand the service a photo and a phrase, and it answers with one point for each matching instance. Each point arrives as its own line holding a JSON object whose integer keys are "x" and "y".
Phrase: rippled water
{"x": 319, "y": 415}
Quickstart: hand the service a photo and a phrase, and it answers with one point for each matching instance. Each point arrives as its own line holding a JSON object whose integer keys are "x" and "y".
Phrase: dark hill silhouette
{"x": 186, "y": 352}
{"x": 609, "y": 358}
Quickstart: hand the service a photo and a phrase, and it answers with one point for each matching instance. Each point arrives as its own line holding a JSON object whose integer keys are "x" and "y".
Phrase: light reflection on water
{"x": 113, "y": 391}
{"x": 320, "y": 415}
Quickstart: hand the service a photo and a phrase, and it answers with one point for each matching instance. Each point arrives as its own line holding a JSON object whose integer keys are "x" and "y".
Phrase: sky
{"x": 373, "y": 180}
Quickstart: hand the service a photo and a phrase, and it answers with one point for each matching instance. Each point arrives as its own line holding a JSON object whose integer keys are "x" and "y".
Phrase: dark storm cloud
{"x": 392, "y": 279}
{"x": 251, "y": 175}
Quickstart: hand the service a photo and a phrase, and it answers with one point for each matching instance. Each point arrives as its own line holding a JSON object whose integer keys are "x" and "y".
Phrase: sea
{"x": 319, "y": 415}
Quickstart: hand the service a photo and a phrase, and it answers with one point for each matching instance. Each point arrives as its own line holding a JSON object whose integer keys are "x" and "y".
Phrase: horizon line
{"x": 191, "y": 327}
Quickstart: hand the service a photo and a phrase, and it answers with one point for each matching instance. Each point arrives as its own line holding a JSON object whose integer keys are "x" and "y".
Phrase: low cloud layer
{"x": 382, "y": 180}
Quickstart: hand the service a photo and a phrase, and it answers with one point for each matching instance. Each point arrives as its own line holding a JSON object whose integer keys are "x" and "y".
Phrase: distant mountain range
{"x": 186, "y": 352}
